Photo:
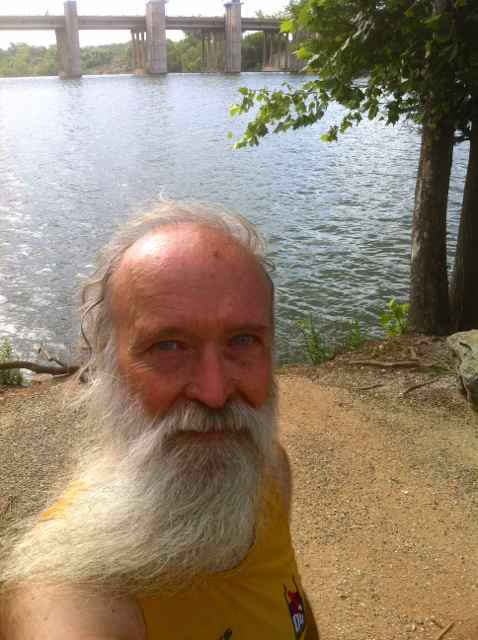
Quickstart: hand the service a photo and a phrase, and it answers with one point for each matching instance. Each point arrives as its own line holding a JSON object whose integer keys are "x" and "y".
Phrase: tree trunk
{"x": 429, "y": 304}
{"x": 464, "y": 285}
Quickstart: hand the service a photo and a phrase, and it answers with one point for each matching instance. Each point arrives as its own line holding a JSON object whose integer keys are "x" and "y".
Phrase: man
{"x": 175, "y": 523}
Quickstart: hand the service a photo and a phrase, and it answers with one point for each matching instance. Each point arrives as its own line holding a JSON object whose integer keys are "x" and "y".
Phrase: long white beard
{"x": 160, "y": 505}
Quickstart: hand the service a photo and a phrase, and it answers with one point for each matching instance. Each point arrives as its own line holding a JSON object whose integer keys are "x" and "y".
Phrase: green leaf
{"x": 433, "y": 22}
{"x": 287, "y": 26}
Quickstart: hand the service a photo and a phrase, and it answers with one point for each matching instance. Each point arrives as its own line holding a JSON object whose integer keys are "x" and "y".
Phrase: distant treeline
{"x": 183, "y": 56}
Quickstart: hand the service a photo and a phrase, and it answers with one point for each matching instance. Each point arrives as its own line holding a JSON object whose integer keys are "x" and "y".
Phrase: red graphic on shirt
{"x": 295, "y": 604}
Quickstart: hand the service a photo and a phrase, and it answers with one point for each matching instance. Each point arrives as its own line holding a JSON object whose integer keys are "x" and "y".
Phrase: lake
{"x": 78, "y": 157}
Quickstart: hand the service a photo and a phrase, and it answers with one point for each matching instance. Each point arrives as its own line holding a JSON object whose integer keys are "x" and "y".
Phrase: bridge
{"x": 221, "y": 37}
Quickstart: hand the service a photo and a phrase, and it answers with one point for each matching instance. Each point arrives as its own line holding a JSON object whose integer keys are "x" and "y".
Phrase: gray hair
{"x": 96, "y": 321}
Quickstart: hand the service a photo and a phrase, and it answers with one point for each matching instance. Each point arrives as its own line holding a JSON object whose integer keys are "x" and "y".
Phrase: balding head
{"x": 188, "y": 257}
{"x": 231, "y": 230}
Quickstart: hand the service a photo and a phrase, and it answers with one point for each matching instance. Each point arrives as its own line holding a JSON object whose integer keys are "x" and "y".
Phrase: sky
{"x": 116, "y": 7}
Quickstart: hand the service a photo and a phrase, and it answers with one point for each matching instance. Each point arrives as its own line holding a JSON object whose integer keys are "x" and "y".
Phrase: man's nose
{"x": 211, "y": 382}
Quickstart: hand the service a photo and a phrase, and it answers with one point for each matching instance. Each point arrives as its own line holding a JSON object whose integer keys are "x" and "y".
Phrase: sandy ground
{"x": 385, "y": 517}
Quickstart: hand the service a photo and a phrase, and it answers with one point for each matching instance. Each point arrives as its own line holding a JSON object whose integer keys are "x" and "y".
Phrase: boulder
{"x": 464, "y": 346}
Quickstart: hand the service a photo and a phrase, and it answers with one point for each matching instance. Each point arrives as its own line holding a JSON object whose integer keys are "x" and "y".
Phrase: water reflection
{"x": 78, "y": 157}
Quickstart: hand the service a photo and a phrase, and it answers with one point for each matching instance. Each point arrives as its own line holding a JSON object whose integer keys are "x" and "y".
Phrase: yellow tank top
{"x": 260, "y": 599}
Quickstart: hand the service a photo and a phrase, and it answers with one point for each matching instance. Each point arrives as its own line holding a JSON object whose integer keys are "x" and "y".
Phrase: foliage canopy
{"x": 379, "y": 59}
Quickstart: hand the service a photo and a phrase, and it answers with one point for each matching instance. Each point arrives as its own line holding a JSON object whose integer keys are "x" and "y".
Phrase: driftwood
{"x": 38, "y": 368}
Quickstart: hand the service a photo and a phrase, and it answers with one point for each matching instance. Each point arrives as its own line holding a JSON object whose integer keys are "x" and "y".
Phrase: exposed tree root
{"x": 443, "y": 633}
{"x": 420, "y": 384}
{"x": 38, "y": 368}
{"x": 399, "y": 364}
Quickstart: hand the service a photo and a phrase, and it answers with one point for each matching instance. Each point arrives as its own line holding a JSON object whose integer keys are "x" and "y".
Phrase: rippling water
{"x": 78, "y": 157}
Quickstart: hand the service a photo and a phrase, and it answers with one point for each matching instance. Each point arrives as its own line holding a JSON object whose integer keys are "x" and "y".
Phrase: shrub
{"x": 354, "y": 336}
{"x": 9, "y": 376}
{"x": 313, "y": 340}
{"x": 395, "y": 318}
{"x": 319, "y": 348}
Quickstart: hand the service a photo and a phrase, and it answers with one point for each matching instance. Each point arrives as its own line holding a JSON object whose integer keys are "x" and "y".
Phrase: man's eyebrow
{"x": 250, "y": 327}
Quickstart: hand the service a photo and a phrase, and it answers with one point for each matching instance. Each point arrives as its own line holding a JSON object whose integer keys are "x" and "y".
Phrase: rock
{"x": 464, "y": 346}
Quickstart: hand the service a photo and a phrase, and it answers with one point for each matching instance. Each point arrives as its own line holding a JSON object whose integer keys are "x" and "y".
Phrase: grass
{"x": 318, "y": 347}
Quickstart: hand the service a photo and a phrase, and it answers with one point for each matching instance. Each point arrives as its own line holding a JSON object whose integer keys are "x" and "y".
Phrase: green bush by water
{"x": 9, "y": 376}
{"x": 395, "y": 318}
{"x": 318, "y": 348}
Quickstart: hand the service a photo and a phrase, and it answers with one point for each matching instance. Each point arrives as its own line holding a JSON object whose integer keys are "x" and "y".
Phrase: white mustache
{"x": 193, "y": 416}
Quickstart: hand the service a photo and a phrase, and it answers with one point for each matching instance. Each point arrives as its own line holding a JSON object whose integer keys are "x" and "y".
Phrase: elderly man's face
{"x": 193, "y": 319}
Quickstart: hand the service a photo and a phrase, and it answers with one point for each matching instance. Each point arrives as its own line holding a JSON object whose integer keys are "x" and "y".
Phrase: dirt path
{"x": 385, "y": 517}
{"x": 386, "y": 512}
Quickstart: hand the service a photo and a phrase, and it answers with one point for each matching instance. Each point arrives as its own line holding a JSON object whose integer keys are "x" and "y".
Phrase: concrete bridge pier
{"x": 61, "y": 53}
{"x": 212, "y": 50}
{"x": 218, "y": 50}
{"x": 68, "y": 43}
{"x": 283, "y": 51}
{"x": 233, "y": 22}
{"x": 265, "y": 50}
{"x": 275, "y": 52}
{"x": 203, "y": 51}
{"x": 295, "y": 65}
{"x": 211, "y": 53}
{"x": 157, "y": 61}
{"x": 268, "y": 51}
{"x": 138, "y": 50}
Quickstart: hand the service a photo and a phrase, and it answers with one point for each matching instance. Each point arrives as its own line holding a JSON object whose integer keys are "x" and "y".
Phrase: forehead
{"x": 189, "y": 273}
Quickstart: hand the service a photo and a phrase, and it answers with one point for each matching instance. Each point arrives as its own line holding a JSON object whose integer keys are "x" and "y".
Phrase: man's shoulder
{"x": 60, "y": 613}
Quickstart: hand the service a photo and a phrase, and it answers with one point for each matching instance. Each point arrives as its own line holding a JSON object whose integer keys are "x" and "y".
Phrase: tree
{"x": 463, "y": 294}
{"x": 415, "y": 59}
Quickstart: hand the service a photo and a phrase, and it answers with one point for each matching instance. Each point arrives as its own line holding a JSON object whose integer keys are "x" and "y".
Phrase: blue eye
{"x": 243, "y": 340}
{"x": 167, "y": 345}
